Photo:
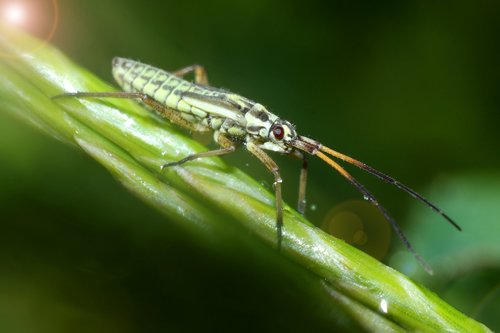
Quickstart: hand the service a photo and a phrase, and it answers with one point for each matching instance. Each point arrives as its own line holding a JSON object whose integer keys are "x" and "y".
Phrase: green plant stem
{"x": 132, "y": 143}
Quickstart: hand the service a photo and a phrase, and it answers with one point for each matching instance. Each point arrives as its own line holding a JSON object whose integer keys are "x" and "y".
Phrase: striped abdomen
{"x": 179, "y": 95}
{"x": 162, "y": 86}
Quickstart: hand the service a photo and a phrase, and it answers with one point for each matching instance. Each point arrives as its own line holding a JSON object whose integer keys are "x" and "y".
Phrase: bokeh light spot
{"x": 360, "y": 237}
{"x": 360, "y": 224}
{"x": 38, "y": 18}
{"x": 14, "y": 13}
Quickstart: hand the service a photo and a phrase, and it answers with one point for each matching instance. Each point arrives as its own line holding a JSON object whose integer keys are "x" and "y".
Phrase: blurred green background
{"x": 411, "y": 88}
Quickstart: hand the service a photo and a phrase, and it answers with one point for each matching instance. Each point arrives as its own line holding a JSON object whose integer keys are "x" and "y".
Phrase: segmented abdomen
{"x": 154, "y": 82}
{"x": 167, "y": 89}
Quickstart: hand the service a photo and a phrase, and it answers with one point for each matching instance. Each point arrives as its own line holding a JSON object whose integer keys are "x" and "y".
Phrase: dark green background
{"x": 408, "y": 87}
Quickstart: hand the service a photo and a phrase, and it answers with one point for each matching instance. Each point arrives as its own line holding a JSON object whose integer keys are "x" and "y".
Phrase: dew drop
{"x": 313, "y": 207}
{"x": 384, "y": 306}
{"x": 264, "y": 184}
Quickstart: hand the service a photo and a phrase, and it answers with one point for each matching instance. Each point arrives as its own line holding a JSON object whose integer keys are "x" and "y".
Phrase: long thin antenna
{"x": 368, "y": 196}
{"x": 390, "y": 180}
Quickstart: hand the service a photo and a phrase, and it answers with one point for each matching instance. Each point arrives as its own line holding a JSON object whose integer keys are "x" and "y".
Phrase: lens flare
{"x": 15, "y": 14}
{"x": 360, "y": 224}
{"x": 35, "y": 17}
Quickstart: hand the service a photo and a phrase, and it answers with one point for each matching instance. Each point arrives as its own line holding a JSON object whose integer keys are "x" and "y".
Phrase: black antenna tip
{"x": 453, "y": 223}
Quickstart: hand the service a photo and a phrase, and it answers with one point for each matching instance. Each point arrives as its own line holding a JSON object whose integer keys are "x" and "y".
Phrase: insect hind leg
{"x": 200, "y": 74}
{"x": 161, "y": 109}
{"x": 110, "y": 94}
{"x": 227, "y": 147}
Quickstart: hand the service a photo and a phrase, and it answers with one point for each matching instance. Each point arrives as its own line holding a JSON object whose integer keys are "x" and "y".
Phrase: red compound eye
{"x": 278, "y": 132}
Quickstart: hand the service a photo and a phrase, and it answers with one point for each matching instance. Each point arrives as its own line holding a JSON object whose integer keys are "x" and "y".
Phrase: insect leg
{"x": 227, "y": 148}
{"x": 164, "y": 111}
{"x": 273, "y": 167}
{"x": 301, "y": 202}
{"x": 301, "y": 205}
{"x": 200, "y": 74}
{"x": 111, "y": 94}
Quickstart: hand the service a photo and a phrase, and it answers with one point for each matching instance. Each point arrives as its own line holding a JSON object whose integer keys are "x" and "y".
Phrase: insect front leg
{"x": 227, "y": 147}
{"x": 200, "y": 74}
{"x": 273, "y": 167}
{"x": 301, "y": 202}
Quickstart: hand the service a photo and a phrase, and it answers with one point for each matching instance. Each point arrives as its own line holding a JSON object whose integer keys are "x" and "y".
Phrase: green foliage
{"x": 467, "y": 263}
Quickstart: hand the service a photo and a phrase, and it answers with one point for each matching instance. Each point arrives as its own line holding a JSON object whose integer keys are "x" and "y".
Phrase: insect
{"x": 236, "y": 120}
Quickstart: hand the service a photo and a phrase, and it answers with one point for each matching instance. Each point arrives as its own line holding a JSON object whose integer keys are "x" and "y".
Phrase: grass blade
{"x": 132, "y": 143}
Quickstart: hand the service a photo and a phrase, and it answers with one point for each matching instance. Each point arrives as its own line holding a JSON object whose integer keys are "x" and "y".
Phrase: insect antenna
{"x": 390, "y": 180}
{"x": 368, "y": 196}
